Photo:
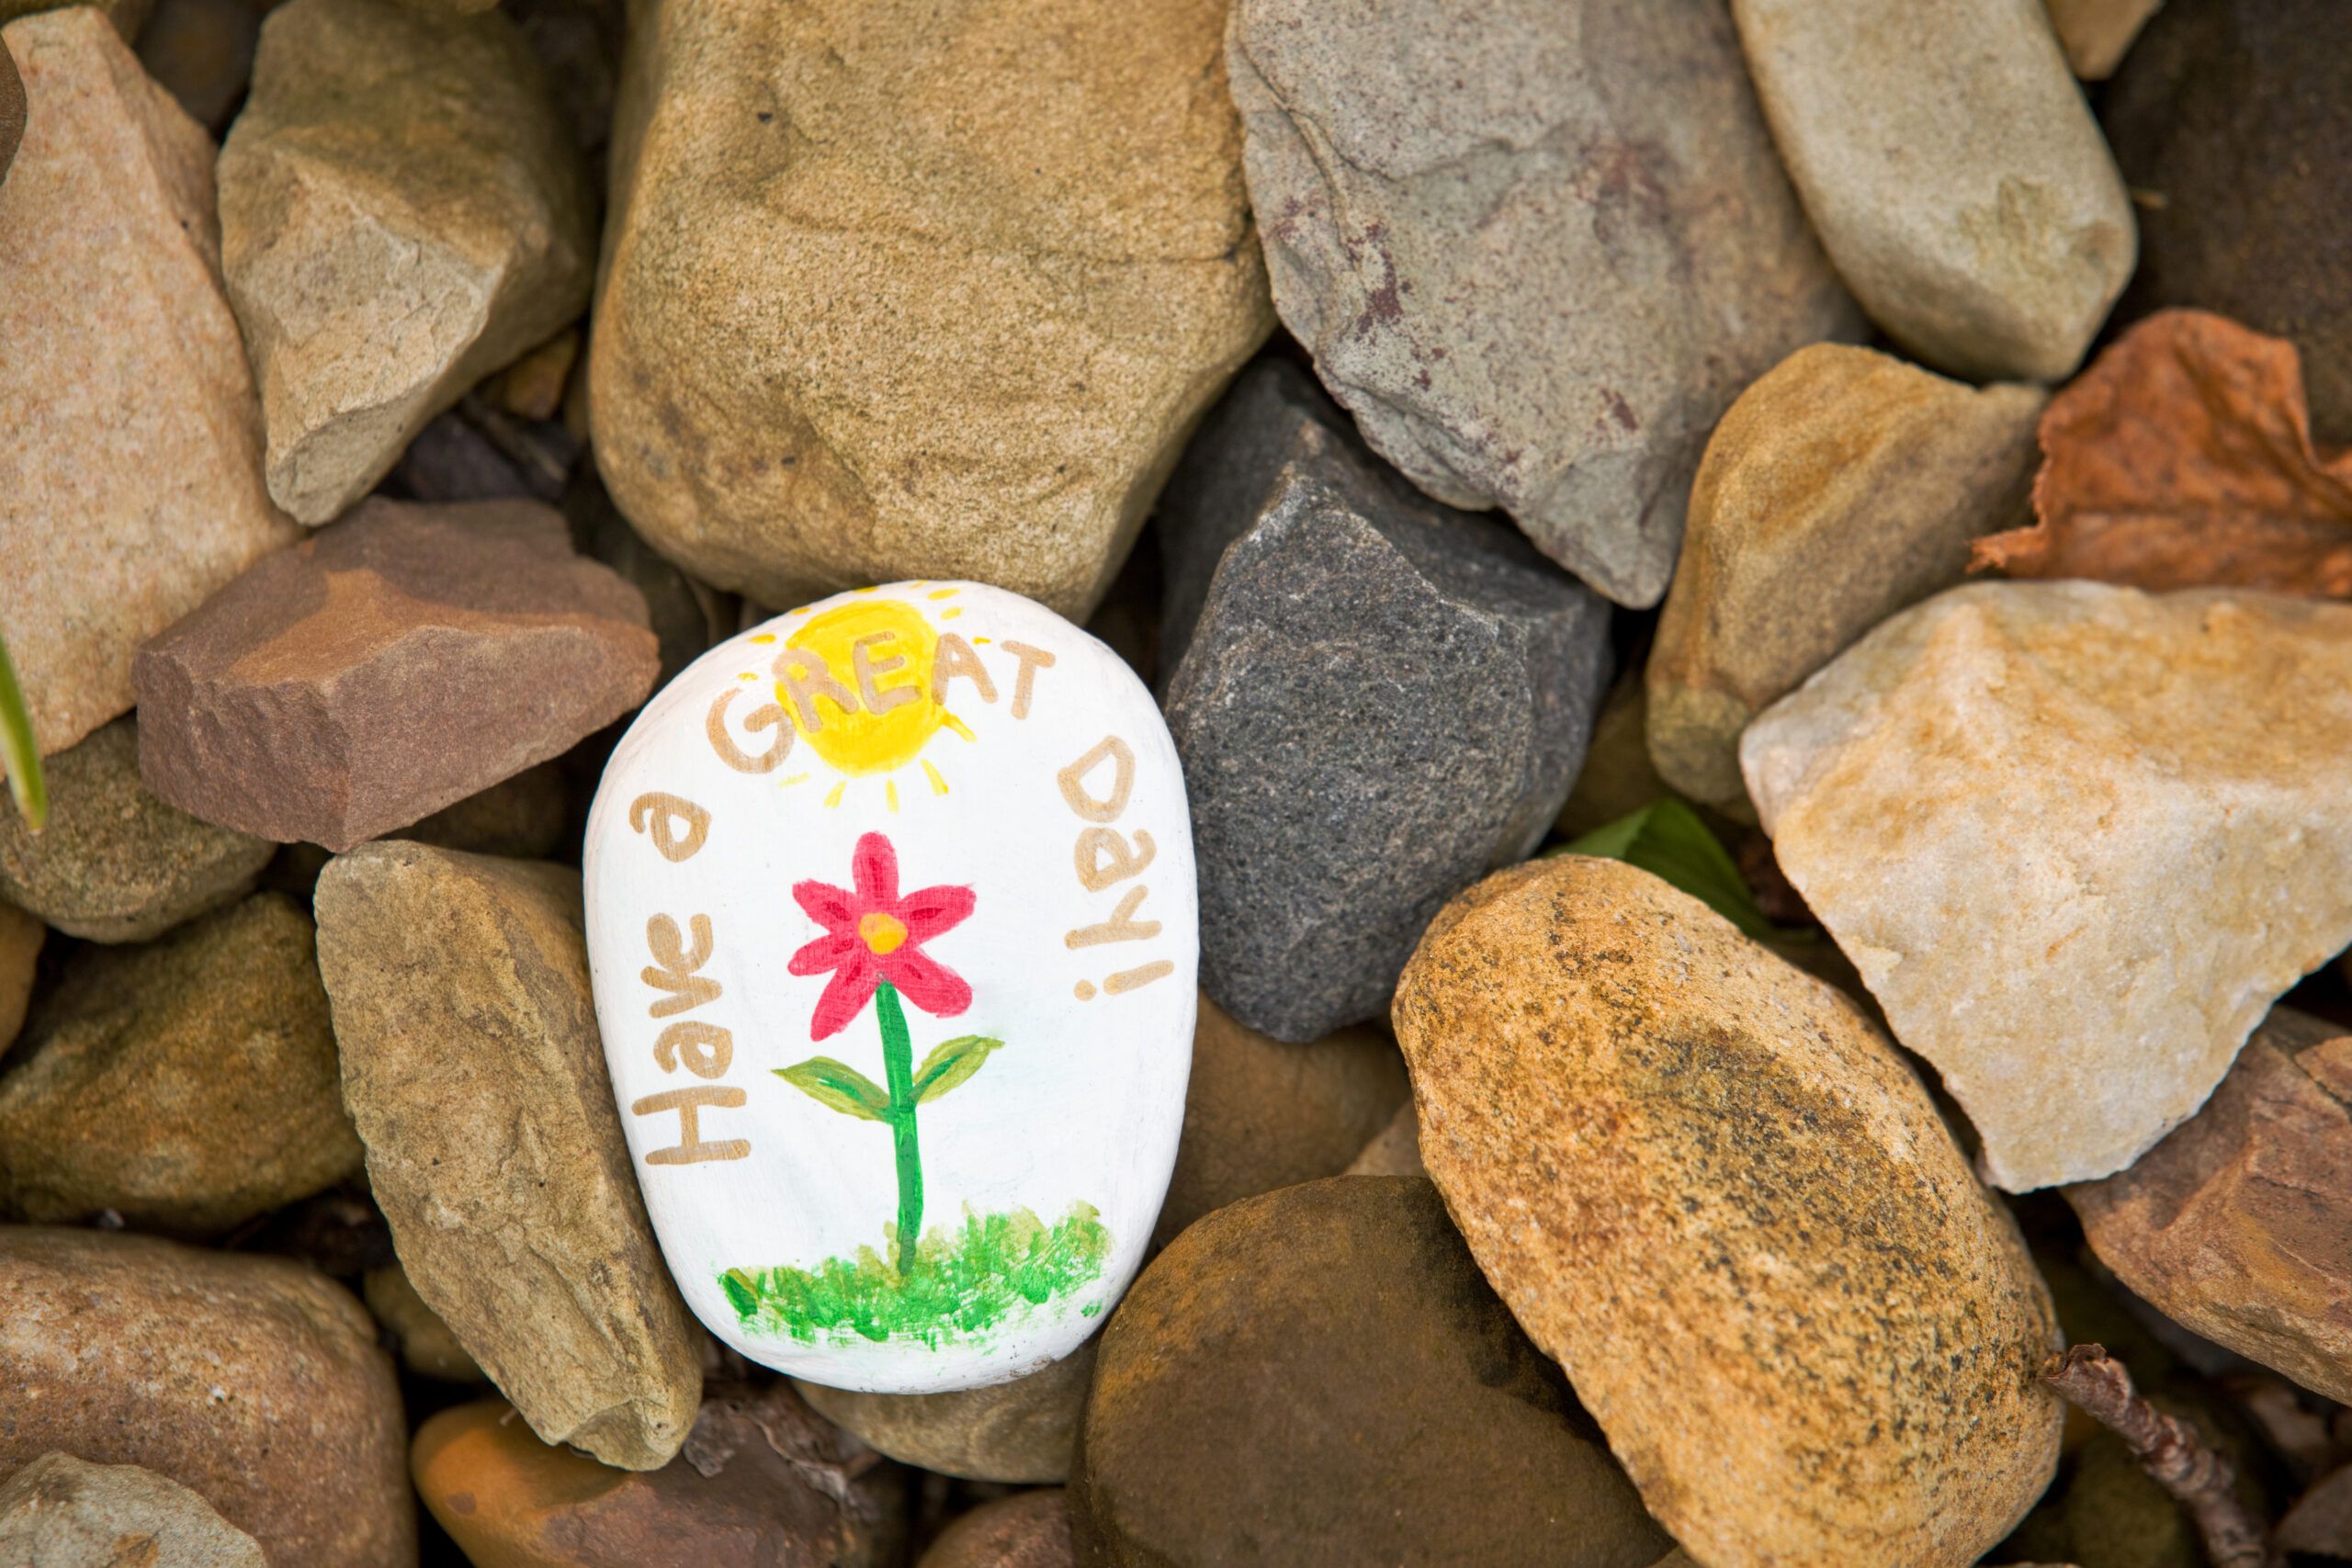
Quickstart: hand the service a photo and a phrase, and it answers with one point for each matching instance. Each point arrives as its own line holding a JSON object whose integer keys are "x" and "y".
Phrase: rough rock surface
{"x": 522, "y": 818}
{"x": 1023, "y": 1431}
{"x": 1262, "y": 1113}
{"x": 116, "y": 863}
{"x": 12, "y": 107}
{"x": 254, "y": 1382}
{"x": 1995, "y": 245}
{"x": 129, "y": 17}
{"x": 1029, "y": 1529}
{"x": 402, "y": 213}
{"x": 21, "y": 937}
{"x": 1992, "y": 801}
{"x": 414, "y": 1331}
{"x": 2230, "y": 111}
{"x": 1395, "y": 1150}
{"x": 127, "y": 407}
{"x": 1535, "y": 248}
{"x": 1380, "y": 700}
{"x": 1342, "y": 1314}
{"x": 1840, "y": 488}
{"x": 2239, "y": 1225}
{"x": 500, "y": 1166}
{"x": 2095, "y": 33}
{"x": 2321, "y": 1520}
{"x": 188, "y": 1085}
{"x": 763, "y": 1484}
{"x": 1721, "y": 1200}
{"x": 1004, "y": 261}
{"x": 61, "y": 1511}
{"x": 406, "y": 659}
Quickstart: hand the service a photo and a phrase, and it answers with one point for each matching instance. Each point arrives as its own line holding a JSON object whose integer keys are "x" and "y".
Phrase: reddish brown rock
{"x": 1029, "y": 1529}
{"x": 20, "y": 939}
{"x": 2239, "y": 1225}
{"x": 763, "y": 1482}
{"x": 390, "y": 665}
{"x": 254, "y": 1382}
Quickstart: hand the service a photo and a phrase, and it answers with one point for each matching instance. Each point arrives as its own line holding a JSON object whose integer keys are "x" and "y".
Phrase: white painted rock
{"x": 921, "y": 846}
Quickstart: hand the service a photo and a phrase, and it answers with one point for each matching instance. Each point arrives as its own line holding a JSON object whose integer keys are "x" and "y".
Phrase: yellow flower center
{"x": 882, "y": 932}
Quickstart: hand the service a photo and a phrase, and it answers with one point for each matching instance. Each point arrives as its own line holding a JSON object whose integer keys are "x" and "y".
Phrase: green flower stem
{"x": 898, "y": 1076}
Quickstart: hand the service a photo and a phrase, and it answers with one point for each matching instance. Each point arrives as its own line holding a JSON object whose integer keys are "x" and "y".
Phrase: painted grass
{"x": 963, "y": 1283}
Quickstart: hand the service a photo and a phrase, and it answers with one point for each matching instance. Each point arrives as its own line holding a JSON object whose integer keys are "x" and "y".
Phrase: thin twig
{"x": 2170, "y": 1452}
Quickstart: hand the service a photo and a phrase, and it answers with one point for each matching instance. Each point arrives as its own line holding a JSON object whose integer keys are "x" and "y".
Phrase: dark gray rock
{"x": 1380, "y": 700}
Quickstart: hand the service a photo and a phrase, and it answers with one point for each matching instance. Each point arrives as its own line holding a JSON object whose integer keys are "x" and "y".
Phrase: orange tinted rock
{"x": 1030, "y": 1529}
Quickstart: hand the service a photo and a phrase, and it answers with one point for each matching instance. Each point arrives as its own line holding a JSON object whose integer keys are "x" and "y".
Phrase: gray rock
{"x": 60, "y": 1512}
{"x": 1382, "y": 700}
{"x": 1535, "y": 247}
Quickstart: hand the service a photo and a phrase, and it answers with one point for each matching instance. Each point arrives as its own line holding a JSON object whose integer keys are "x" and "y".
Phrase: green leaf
{"x": 19, "y": 756}
{"x": 951, "y": 1064}
{"x": 1667, "y": 839}
{"x": 838, "y": 1086}
{"x": 741, "y": 1292}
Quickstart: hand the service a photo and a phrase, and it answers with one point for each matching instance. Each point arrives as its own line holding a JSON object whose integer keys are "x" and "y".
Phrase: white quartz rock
{"x": 891, "y": 919}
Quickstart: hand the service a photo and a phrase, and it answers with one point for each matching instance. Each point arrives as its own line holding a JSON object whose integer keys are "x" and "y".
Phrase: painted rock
{"x": 891, "y": 919}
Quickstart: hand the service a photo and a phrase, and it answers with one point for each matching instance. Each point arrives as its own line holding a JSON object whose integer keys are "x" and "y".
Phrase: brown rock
{"x": 1618, "y": 777}
{"x": 1396, "y": 1150}
{"x": 500, "y": 1166}
{"x": 1318, "y": 1376}
{"x": 1029, "y": 1529}
{"x": 762, "y": 1484}
{"x": 1841, "y": 487}
{"x": 2321, "y": 1520}
{"x": 188, "y": 1085}
{"x": 2239, "y": 1225}
{"x": 61, "y": 1511}
{"x": 1260, "y": 1113}
{"x": 201, "y": 51}
{"x": 1023, "y": 1431}
{"x": 129, "y": 17}
{"x": 115, "y": 863}
{"x": 254, "y": 1382}
{"x": 400, "y": 660}
{"x": 12, "y": 108}
{"x": 130, "y": 482}
{"x": 522, "y": 818}
{"x": 20, "y": 941}
{"x": 2095, "y": 33}
{"x": 424, "y": 1342}
{"x": 1722, "y": 1200}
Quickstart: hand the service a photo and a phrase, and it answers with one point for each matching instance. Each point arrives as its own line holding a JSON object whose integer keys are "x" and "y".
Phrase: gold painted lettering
{"x": 804, "y": 679}
{"x": 1129, "y": 979}
{"x": 1121, "y": 927}
{"x": 706, "y": 1047}
{"x": 955, "y": 657}
{"x": 688, "y": 1103}
{"x": 1103, "y": 857}
{"x": 767, "y": 715}
{"x": 1073, "y": 780}
{"x": 662, "y": 813}
{"x": 677, "y": 963}
{"x": 1032, "y": 661}
{"x": 870, "y": 670}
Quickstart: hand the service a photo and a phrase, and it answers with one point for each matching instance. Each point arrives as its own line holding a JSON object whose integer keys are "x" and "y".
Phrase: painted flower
{"x": 872, "y": 934}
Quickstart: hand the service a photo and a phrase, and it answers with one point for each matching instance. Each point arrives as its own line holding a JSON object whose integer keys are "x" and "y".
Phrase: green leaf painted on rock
{"x": 838, "y": 1086}
{"x": 1667, "y": 839}
{"x": 951, "y": 1064}
{"x": 19, "y": 754}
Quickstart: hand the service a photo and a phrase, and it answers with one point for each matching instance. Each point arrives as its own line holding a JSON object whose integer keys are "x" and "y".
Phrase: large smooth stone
{"x": 1945, "y": 154}
{"x": 1536, "y": 246}
{"x": 1028, "y": 1530}
{"x": 890, "y": 909}
{"x": 2077, "y": 840}
{"x": 897, "y": 287}
{"x": 62, "y": 1512}
{"x": 401, "y": 213}
{"x": 2096, "y": 33}
{"x": 130, "y": 441}
{"x": 1722, "y": 1200}
{"x": 1024, "y": 1431}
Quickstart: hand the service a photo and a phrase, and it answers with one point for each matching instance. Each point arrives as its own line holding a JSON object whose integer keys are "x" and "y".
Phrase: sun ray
{"x": 797, "y": 778}
{"x": 835, "y": 797}
{"x": 890, "y": 793}
{"x": 949, "y": 615}
{"x": 764, "y": 637}
{"x": 940, "y": 593}
{"x": 938, "y": 784}
{"x": 958, "y": 726}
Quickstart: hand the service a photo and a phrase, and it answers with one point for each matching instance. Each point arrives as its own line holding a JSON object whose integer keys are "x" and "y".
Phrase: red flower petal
{"x": 927, "y": 912}
{"x": 926, "y": 982}
{"x": 875, "y": 867}
{"x": 826, "y": 904}
{"x": 845, "y": 996}
{"x": 831, "y": 951}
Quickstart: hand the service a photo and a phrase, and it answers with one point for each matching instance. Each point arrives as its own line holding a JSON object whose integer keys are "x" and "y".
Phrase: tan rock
{"x": 1618, "y": 777}
{"x": 424, "y": 1342}
{"x": 1395, "y": 1150}
{"x": 2095, "y": 33}
{"x": 116, "y": 863}
{"x": 12, "y": 108}
{"x": 21, "y": 943}
{"x": 2239, "y": 1225}
{"x": 1840, "y": 488}
{"x": 501, "y": 1165}
{"x": 60, "y": 1510}
{"x": 1029, "y": 1529}
{"x": 1719, "y": 1198}
{"x": 129, "y": 17}
{"x": 1023, "y": 1431}
{"x": 402, "y": 213}
{"x": 188, "y": 1085}
{"x": 1004, "y": 261}
{"x": 1992, "y": 802}
{"x": 522, "y": 818}
{"x": 254, "y": 1382}
{"x": 131, "y": 481}
{"x": 2321, "y": 1520}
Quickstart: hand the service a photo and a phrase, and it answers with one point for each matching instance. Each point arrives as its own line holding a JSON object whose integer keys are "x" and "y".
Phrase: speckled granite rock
{"x": 60, "y": 1510}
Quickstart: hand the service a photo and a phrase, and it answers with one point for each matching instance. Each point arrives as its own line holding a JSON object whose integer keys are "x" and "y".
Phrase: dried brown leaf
{"x": 2182, "y": 457}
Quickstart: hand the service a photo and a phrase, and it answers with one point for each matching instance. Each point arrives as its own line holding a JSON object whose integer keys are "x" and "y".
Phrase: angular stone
{"x": 1993, "y": 247}
{"x": 1255, "y": 1388}
{"x": 500, "y": 1166}
{"x": 424, "y": 1342}
{"x": 402, "y": 213}
{"x": 1024, "y": 1431}
{"x": 21, "y": 937}
{"x": 763, "y": 1484}
{"x": 129, "y": 17}
{"x": 997, "y": 295}
{"x": 188, "y": 1086}
{"x": 1842, "y": 487}
{"x": 115, "y": 863}
{"x": 1721, "y": 1200}
{"x": 403, "y": 659}
{"x": 1029, "y": 1529}
{"x": 254, "y": 1382}
{"x": 2095, "y": 33}
{"x": 1260, "y": 1113}
{"x": 130, "y": 482}
{"x": 2321, "y": 1520}
{"x": 1380, "y": 700}
{"x": 688, "y": 618}
{"x": 1535, "y": 248}
{"x": 2232, "y": 111}
{"x": 522, "y": 818}
{"x": 60, "y": 1510}
{"x": 2239, "y": 1225}
{"x": 1395, "y": 1150}
{"x": 1990, "y": 801}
